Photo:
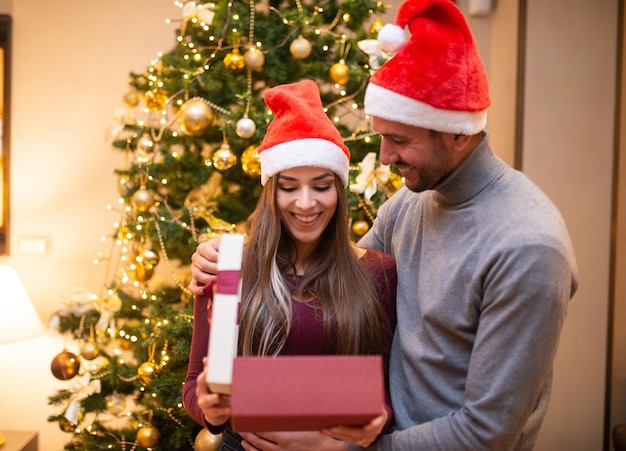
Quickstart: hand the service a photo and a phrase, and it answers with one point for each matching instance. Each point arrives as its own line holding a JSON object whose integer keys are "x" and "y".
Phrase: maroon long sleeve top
{"x": 307, "y": 332}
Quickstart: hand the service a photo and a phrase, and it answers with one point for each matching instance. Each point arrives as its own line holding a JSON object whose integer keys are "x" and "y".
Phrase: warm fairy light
{"x": 318, "y": 31}
{"x": 336, "y": 119}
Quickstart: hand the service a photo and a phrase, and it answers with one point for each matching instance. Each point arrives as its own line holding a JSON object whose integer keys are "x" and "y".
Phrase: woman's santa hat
{"x": 301, "y": 134}
{"x": 436, "y": 80}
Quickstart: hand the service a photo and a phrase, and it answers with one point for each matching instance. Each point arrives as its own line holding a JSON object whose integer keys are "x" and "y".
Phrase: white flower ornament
{"x": 370, "y": 177}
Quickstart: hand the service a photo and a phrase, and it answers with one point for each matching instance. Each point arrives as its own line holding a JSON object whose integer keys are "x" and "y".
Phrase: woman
{"x": 306, "y": 288}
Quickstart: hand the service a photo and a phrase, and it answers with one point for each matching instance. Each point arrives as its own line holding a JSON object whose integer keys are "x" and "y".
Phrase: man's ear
{"x": 456, "y": 143}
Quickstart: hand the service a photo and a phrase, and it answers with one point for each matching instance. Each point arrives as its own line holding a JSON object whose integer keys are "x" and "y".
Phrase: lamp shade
{"x": 18, "y": 318}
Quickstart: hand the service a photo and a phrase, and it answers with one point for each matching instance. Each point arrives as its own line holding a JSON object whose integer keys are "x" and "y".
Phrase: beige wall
{"x": 71, "y": 60}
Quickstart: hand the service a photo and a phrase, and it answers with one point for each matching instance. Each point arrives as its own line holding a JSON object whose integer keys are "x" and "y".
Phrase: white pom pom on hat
{"x": 391, "y": 38}
{"x": 436, "y": 80}
{"x": 301, "y": 134}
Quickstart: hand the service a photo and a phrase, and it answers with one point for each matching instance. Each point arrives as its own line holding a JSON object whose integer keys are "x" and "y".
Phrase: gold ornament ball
{"x": 224, "y": 158}
{"x": 194, "y": 117}
{"x": 65, "y": 365}
{"x": 156, "y": 100}
{"x": 147, "y": 371}
{"x": 125, "y": 186}
{"x": 300, "y": 47}
{"x": 254, "y": 59}
{"x": 360, "y": 227}
{"x": 339, "y": 73}
{"x": 149, "y": 257}
{"x": 131, "y": 99}
{"x": 234, "y": 60}
{"x": 89, "y": 350}
{"x": 66, "y": 425}
{"x": 143, "y": 199}
{"x": 205, "y": 441}
{"x": 245, "y": 127}
{"x": 148, "y": 436}
{"x": 376, "y": 26}
{"x": 139, "y": 271}
{"x": 250, "y": 161}
{"x": 145, "y": 143}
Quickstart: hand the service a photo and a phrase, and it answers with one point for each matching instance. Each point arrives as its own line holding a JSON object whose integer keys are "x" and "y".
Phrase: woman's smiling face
{"x": 307, "y": 199}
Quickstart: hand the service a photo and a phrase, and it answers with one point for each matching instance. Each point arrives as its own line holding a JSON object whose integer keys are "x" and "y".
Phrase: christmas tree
{"x": 189, "y": 126}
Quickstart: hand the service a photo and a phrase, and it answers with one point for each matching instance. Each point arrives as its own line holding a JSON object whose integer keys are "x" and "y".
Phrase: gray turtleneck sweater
{"x": 485, "y": 272}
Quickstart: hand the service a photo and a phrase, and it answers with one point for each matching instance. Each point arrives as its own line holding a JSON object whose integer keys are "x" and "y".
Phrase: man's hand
{"x": 361, "y": 436}
{"x": 204, "y": 265}
{"x": 290, "y": 441}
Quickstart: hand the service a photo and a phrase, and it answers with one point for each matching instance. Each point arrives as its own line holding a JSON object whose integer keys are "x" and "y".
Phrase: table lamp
{"x": 18, "y": 318}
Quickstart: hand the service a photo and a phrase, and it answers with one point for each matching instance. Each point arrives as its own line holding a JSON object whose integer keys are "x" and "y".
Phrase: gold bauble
{"x": 245, "y": 127}
{"x": 125, "y": 186}
{"x": 250, "y": 161}
{"x": 195, "y": 116}
{"x": 65, "y": 365}
{"x": 300, "y": 47}
{"x": 205, "y": 441}
{"x": 131, "y": 99}
{"x": 149, "y": 257}
{"x": 394, "y": 183}
{"x": 66, "y": 425}
{"x": 234, "y": 60}
{"x": 140, "y": 271}
{"x": 254, "y": 59}
{"x": 124, "y": 233}
{"x": 147, "y": 371}
{"x": 376, "y": 26}
{"x": 156, "y": 100}
{"x": 224, "y": 158}
{"x": 360, "y": 227}
{"x": 142, "y": 199}
{"x": 339, "y": 73}
{"x": 145, "y": 143}
{"x": 89, "y": 350}
{"x": 148, "y": 436}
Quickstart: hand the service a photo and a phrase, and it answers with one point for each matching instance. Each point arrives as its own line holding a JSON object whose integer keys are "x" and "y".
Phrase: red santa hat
{"x": 436, "y": 80}
{"x": 301, "y": 134}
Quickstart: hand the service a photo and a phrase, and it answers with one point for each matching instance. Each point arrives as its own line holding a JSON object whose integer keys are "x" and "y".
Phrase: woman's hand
{"x": 360, "y": 436}
{"x": 215, "y": 407}
{"x": 290, "y": 441}
{"x": 203, "y": 265}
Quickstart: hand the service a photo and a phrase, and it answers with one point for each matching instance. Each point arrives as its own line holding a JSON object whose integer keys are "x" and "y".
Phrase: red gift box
{"x": 302, "y": 393}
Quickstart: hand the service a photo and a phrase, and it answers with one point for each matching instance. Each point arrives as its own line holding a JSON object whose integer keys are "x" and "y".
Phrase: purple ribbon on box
{"x": 228, "y": 281}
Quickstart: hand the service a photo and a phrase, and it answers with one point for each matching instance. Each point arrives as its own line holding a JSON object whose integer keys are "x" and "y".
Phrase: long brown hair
{"x": 351, "y": 312}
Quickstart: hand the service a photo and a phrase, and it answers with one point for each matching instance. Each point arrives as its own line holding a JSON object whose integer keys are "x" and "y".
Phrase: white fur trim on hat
{"x": 312, "y": 152}
{"x": 395, "y": 107}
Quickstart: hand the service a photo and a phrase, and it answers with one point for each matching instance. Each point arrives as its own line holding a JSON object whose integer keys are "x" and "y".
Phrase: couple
{"x": 485, "y": 266}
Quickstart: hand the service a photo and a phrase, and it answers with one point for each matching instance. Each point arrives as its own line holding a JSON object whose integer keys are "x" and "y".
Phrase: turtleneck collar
{"x": 477, "y": 171}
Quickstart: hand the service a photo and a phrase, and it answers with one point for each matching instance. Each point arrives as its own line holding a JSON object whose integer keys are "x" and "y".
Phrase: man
{"x": 485, "y": 264}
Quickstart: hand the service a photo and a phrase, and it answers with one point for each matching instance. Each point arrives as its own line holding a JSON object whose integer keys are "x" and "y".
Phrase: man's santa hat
{"x": 436, "y": 80}
{"x": 301, "y": 134}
